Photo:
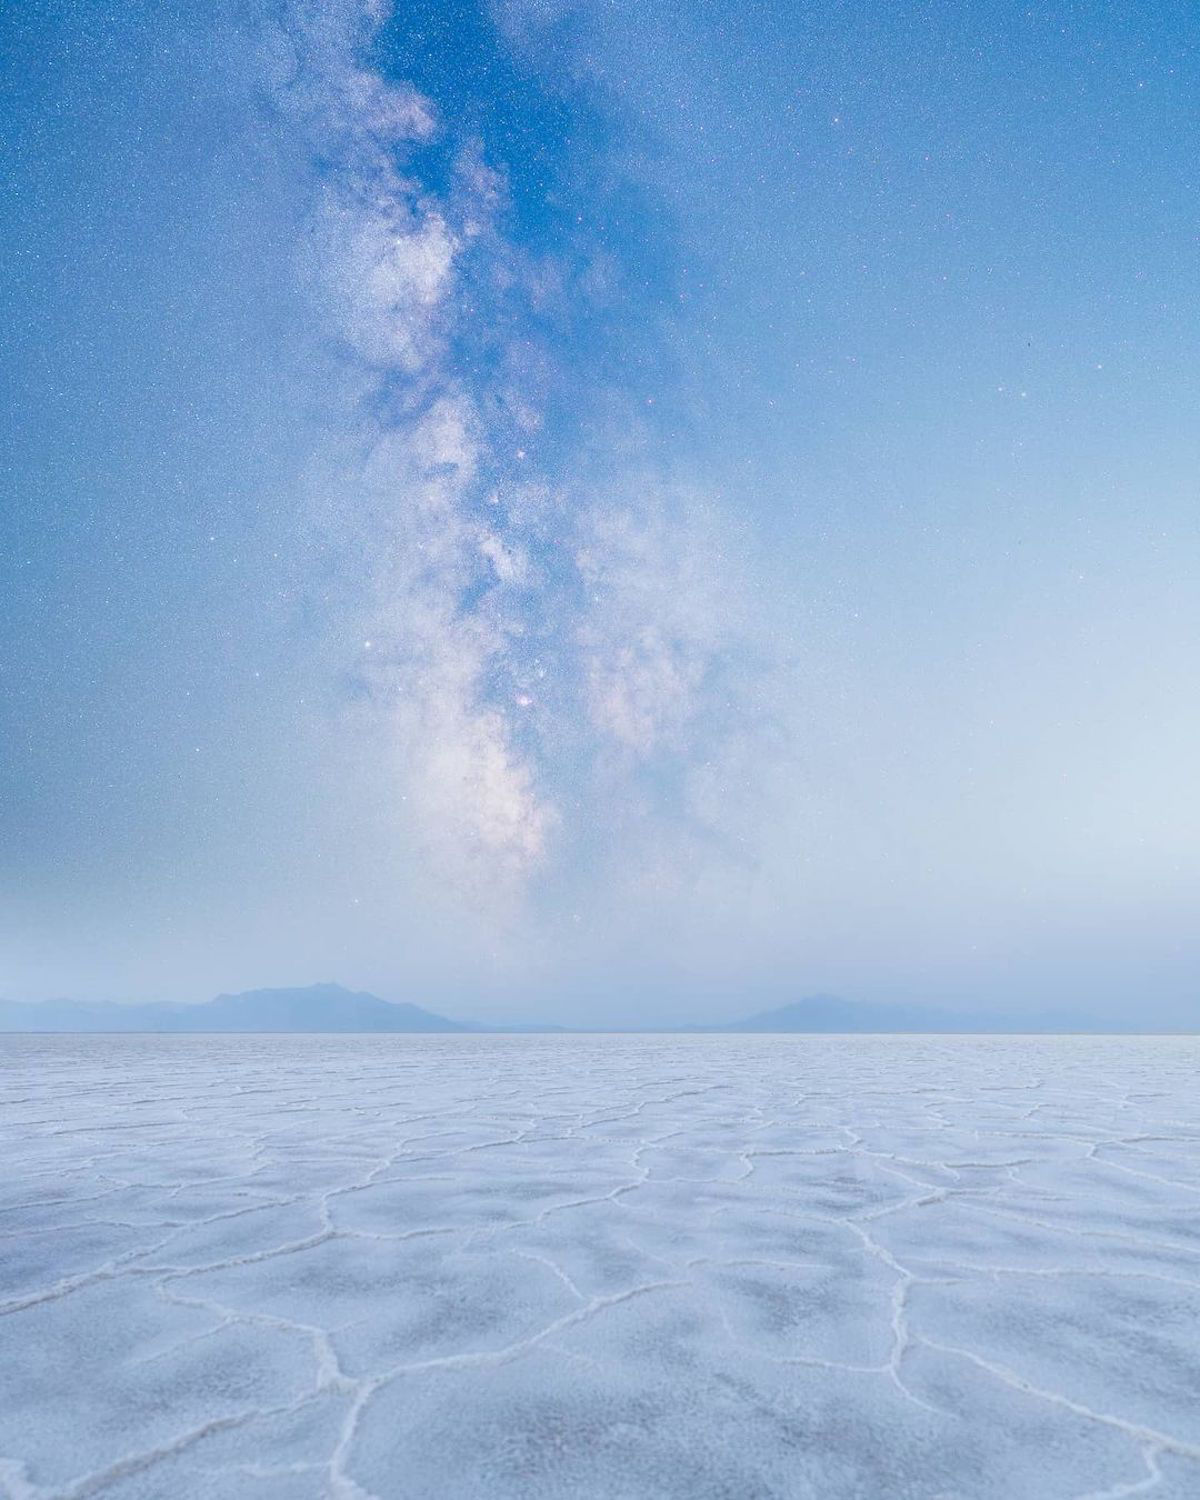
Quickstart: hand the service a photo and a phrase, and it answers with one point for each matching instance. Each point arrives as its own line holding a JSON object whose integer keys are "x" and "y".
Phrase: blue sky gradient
{"x": 602, "y": 512}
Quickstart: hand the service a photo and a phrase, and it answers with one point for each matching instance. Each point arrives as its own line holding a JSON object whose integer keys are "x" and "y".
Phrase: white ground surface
{"x": 616, "y": 1268}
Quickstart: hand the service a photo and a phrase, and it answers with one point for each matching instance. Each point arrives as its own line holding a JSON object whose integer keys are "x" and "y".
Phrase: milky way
{"x": 539, "y": 646}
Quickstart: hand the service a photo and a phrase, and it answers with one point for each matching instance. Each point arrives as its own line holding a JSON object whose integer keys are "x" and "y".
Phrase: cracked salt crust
{"x": 617, "y": 1268}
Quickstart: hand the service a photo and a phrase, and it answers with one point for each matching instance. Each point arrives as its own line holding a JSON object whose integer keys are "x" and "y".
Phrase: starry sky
{"x": 602, "y": 512}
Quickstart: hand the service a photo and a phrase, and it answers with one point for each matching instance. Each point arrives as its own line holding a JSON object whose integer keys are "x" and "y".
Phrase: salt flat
{"x": 619, "y": 1268}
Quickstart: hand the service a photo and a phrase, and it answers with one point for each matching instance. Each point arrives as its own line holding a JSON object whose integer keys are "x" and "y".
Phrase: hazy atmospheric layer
{"x": 796, "y": 1268}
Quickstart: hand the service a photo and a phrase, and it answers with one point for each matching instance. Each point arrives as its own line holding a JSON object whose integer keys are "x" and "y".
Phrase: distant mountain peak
{"x": 324, "y": 1007}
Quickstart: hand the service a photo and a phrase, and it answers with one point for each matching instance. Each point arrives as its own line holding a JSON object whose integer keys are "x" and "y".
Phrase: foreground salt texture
{"x": 618, "y": 1267}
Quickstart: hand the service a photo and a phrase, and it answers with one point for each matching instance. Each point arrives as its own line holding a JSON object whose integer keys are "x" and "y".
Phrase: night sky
{"x": 602, "y": 512}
